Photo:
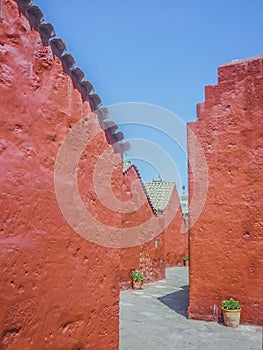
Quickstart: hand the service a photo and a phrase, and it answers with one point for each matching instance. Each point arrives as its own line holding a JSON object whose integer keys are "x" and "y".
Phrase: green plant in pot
{"x": 231, "y": 312}
{"x": 137, "y": 279}
{"x": 186, "y": 260}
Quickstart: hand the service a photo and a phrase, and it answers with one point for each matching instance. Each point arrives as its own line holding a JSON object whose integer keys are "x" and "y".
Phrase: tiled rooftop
{"x": 158, "y": 192}
{"x": 126, "y": 166}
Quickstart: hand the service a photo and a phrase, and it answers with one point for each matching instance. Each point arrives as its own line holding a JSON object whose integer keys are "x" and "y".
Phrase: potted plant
{"x": 137, "y": 279}
{"x": 231, "y": 312}
{"x": 186, "y": 260}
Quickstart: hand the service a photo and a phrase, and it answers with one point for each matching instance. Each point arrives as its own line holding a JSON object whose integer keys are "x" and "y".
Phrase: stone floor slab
{"x": 156, "y": 318}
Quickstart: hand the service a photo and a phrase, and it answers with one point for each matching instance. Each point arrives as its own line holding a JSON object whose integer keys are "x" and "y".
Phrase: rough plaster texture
{"x": 149, "y": 258}
{"x": 226, "y": 242}
{"x": 176, "y": 235}
{"x": 166, "y": 249}
{"x": 57, "y": 290}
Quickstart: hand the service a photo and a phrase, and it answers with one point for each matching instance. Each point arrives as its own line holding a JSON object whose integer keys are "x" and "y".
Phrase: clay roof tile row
{"x": 158, "y": 192}
{"x": 48, "y": 36}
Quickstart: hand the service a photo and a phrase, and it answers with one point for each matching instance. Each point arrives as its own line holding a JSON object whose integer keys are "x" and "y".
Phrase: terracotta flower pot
{"x": 231, "y": 317}
{"x": 186, "y": 263}
{"x": 137, "y": 284}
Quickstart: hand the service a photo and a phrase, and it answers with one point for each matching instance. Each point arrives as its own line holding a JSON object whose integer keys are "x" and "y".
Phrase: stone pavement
{"x": 155, "y": 319}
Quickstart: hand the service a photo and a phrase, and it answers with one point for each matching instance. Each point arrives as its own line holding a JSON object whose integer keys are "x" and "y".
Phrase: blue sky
{"x": 160, "y": 53}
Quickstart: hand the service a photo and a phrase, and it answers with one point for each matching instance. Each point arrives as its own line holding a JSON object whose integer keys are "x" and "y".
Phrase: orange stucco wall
{"x": 226, "y": 244}
{"x": 149, "y": 257}
{"x": 176, "y": 235}
{"x": 165, "y": 250}
{"x": 57, "y": 290}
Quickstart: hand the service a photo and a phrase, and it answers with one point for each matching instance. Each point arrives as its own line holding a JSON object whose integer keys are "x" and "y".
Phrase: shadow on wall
{"x": 177, "y": 301}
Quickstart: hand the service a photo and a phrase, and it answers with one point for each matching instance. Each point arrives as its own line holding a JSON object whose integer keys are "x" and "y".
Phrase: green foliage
{"x": 137, "y": 276}
{"x": 186, "y": 258}
{"x": 230, "y": 304}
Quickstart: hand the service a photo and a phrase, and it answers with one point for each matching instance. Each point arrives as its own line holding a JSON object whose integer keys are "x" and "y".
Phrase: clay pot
{"x": 137, "y": 284}
{"x": 186, "y": 263}
{"x": 231, "y": 317}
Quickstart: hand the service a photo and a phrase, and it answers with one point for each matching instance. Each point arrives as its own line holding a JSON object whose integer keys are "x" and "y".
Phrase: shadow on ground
{"x": 177, "y": 301}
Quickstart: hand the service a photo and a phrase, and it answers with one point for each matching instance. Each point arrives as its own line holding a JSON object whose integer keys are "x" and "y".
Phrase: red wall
{"x": 226, "y": 257}
{"x": 57, "y": 290}
{"x": 165, "y": 250}
{"x": 176, "y": 235}
{"x": 147, "y": 258}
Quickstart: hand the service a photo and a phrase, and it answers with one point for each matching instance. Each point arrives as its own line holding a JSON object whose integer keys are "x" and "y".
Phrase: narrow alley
{"x": 155, "y": 318}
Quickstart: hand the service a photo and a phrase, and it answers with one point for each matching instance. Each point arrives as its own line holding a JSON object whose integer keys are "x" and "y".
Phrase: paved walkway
{"x": 155, "y": 319}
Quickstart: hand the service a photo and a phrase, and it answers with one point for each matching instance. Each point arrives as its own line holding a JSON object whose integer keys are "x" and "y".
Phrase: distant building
{"x": 184, "y": 204}
{"x": 171, "y": 245}
{"x": 159, "y": 193}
